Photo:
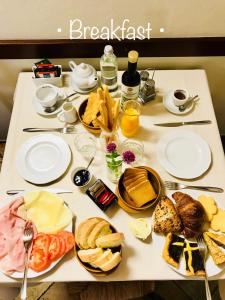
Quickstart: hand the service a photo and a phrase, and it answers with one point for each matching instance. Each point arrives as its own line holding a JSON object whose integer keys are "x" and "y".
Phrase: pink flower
{"x": 111, "y": 147}
{"x": 128, "y": 157}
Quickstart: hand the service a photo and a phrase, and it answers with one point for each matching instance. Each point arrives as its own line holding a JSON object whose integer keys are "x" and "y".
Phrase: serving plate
{"x": 31, "y": 273}
{"x": 184, "y": 154}
{"x": 159, "y": 242}
{"x": 43, "y": 158}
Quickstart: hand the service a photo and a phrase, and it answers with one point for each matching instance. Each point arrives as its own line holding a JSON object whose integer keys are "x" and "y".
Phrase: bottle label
{"x": 109, "y": 81}
{"x": 129, "y": 93}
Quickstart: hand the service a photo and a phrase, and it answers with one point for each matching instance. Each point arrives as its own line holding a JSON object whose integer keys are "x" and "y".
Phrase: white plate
{"x": 159, "y": 242}
{"x": 31, "y": 273}
{"x": 40, "y": 110}
{"x": 184, "y": 154}
{"x": 43, "y": 158}
{"x": 171, "y": 107}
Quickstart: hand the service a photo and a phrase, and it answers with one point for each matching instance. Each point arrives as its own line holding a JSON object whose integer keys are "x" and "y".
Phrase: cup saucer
{"x": 171, "y": 107}
{"x": 40, "y": 109}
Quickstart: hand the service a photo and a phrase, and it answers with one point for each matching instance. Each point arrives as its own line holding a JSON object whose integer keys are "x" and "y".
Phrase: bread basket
{"x": 155, "y": 181}
{"x": 88, "y": 267}
{"x": 81, "y": 110}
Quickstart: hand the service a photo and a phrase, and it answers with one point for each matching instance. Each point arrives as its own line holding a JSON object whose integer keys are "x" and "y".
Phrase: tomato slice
{"x": 42, "y": 242}
{"x": 54, "y": 247}
{"x": 68, "y": 238}
{"x": 62, "y": 245}
{"x": 38, "y": 260}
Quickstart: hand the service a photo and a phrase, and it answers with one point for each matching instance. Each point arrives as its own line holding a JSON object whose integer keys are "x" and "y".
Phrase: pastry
{"x": 90, "y": 255}
{"x": 106, "y": 256}
{"x": 218, "y": 238}
{"x": 215, "y": 251}
{"x": 165, "y": 218}
{"x": 92, "y": 109}
{"x": 193, "y": 260}
{"x": 110, "y": 240}
{"x": 209, "y": 206}
{"x": 218, "y": 221}
{"x": 102, "y": 228}
{"x": 191, "y": 213}
{"x": 84, "y": 230}
{"x": 173, "y": 249}
{"x": 112, "y": 263}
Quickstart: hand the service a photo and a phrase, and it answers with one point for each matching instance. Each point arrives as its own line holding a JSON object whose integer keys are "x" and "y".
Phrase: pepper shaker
{"x": 147, "y": 91}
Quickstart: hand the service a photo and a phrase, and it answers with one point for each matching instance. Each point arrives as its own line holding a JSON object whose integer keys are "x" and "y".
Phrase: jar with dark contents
{"x": 81, "y": 177}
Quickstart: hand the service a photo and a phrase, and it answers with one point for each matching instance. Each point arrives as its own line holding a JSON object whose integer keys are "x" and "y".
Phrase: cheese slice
{"x": 47, "y": 211}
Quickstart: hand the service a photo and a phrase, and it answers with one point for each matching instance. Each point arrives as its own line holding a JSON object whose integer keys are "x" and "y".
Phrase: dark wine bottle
{"x": 130, "y": 79}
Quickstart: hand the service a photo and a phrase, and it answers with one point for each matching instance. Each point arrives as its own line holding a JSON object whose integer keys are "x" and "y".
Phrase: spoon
{"x": 90, "y": 162}
{"x": 184, "y": 106}
{"x": 54, "y": 107}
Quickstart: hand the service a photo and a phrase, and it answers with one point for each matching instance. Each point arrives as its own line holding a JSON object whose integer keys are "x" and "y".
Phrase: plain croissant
{"x": 191, "y": 213}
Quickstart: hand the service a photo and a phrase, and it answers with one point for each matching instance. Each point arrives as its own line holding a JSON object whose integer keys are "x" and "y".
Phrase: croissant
{"x": 191, "y": 213}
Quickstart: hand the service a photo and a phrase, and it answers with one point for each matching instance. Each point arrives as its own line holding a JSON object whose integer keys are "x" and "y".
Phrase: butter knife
{"x": 51, "y": 190}
{"x": 177, "y": 124}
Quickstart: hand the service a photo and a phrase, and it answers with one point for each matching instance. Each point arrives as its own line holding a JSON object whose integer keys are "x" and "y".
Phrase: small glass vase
{"x": 114, "y": 170}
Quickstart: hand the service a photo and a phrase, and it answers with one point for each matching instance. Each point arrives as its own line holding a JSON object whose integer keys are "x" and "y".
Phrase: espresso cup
{"x": 47, "y": 95}
{"x": 180, "y": 96}
{"x": 68, "y": 113}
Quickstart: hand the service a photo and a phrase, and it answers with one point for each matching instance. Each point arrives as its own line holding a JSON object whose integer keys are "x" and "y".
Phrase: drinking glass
{"x": 85, "y": 144}
{"x": 136, "y": 147}
{"x": 130, "y": 118}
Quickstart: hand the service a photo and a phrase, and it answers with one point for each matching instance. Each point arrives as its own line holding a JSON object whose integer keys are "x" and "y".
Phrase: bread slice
{"x": 112, "y": 263}
{"x": 106, "y": 256}
{"x": 135, "y": 184}
{"x": 128, "y": 199}
{"x": 110, "y": 240}
{"x": 165, "y": 218}
{"x": 217, "y": 254}
{"x": 102, "y": 226}
{"x": 135, "y": 181}
{"x": 84, "y": 231}
{"x": 127, "y": 180}
{"x": 135, "y": 171}
{"x": 142, "y": 193}
{"x": 90, "y": 255}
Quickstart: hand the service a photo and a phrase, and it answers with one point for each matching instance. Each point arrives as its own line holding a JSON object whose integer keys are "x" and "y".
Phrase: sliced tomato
{"x": 68, "y": 238}
{"x": 54, "y": 247}
{"x": 42, "y": 242}
{"x": 62, "y": 245}
{"x": 38, "y": 260}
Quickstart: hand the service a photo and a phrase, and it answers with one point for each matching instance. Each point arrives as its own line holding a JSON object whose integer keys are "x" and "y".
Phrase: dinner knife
{"x": 177, "y": 124}
{"x": 51, "y": 190}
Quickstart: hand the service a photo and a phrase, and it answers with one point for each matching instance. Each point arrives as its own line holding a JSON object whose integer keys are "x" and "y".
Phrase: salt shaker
{"x": 147, "y": 91}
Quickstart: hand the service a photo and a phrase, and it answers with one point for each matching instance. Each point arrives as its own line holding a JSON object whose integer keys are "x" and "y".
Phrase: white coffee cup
{"x": 180, "y": 96}
{"x": 47, "y": 95}
{"x": 68, "y": 113}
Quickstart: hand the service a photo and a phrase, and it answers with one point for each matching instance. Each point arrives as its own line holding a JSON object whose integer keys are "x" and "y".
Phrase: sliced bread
{"x": 90, "y": 255}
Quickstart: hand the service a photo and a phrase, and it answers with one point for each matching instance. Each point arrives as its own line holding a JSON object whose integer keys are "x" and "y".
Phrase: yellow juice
{"x": 130, "y": 122}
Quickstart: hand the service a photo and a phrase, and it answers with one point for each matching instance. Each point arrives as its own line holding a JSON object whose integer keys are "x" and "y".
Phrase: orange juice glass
{"x": 130, "y": 118}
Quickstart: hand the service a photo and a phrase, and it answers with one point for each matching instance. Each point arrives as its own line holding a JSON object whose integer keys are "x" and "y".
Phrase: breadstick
{"x": 104, "y": 113}
{"x": 100, "y": 124}
{"x": 109, "y": 105}
{"x": 116, "y": 111}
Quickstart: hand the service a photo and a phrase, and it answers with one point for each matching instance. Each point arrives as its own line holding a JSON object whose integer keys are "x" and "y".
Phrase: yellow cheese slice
{"x": 47, "y": 211}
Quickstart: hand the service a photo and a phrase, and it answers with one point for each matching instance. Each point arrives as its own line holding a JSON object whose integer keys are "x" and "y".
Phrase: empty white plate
{"x": 184, "y": 154}
{"x": 43, "y": 158}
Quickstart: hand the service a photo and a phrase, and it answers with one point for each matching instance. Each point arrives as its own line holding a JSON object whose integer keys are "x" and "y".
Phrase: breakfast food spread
{"x": 98, "y": 246}
{"x": 140, "y": 228}
{"x": 209, "y": 206}
{"x": 101, "y": 110}
{"x": 12, "y": 251}
{"x": 191, "y": 213}
{"x": 47, "y": 211}
{"x": 165, "y": 218}
{"x": 213, "y": 241}
{"x": 139, "y": 189}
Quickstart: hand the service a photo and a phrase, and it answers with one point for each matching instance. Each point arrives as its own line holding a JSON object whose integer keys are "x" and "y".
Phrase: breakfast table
{"x": 140, "y": 260}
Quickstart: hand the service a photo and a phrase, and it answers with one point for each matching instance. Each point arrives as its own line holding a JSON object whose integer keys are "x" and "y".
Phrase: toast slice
{"x": 215, "y": 251}
{"x": 142, "y": 193}
{"x": 165, "y": 218}
{"x": 133, "y": 179}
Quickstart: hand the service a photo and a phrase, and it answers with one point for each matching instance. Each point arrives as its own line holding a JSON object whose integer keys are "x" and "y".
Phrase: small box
{"x": 57, "y": 81}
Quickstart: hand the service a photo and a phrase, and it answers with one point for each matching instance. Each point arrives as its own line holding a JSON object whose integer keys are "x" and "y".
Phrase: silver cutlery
{"x": 203, "y": 251}
{"x": 27, "y": 240}
{"x": 177, "y": 124}
{"x": 184, "y": 106}
{"x": 170, "y": 185}
{"x": 51, "y": 190}
{"x": 65, "y": 130}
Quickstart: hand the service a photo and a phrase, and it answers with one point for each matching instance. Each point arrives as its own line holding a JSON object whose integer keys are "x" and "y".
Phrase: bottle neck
{"x": 132, "y": 68}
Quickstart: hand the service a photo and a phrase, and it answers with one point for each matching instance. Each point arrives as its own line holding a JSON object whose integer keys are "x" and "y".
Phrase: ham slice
{"x": 12, "y": 251}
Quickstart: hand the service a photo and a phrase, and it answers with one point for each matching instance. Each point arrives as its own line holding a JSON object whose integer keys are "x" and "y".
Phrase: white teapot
{"x": 83, "y": 78}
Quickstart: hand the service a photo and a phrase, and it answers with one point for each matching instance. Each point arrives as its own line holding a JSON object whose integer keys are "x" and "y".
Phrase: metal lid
{"x": 108, "y": 49}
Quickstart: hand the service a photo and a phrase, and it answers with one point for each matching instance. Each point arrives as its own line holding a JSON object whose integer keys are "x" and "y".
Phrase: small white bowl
{"x": 75, "y": 171}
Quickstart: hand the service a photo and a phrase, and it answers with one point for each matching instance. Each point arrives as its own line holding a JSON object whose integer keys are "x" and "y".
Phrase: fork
{"x": 203, "y": 251}
{"x": 27, "y": 240}
{"x": 170, "y": 185}
{"x": 68, "y": 129}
